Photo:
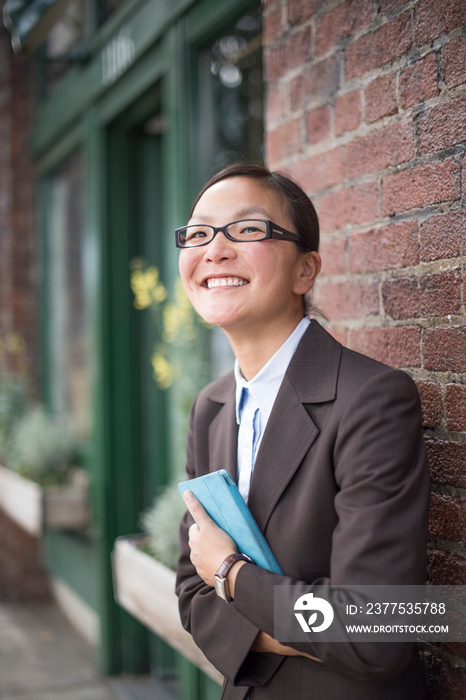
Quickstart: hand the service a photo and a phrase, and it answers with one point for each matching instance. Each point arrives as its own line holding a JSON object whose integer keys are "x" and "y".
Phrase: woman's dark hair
{"x": 300, "y": 209}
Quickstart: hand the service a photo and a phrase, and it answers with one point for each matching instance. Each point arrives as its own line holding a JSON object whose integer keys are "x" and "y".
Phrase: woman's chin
{"x": 222, "y": 317}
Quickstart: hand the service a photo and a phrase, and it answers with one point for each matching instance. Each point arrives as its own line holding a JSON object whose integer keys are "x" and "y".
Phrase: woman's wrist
{"x": 231, "y": 577}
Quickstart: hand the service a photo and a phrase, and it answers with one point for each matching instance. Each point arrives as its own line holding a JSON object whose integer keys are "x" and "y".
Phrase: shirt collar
{"x": 265, "y": 385}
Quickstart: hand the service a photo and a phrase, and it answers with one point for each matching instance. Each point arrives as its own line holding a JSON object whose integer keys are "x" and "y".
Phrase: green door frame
{"x": 166, "y": 37}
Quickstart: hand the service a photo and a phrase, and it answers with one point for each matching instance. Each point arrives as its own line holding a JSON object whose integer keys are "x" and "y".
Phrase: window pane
{"x": 107, "y": 8}
{"x": 231, "y": 99}
{"x": 231, "y": 94}
{"x": 67, "y": 338}
{"x": 64, "y": 43}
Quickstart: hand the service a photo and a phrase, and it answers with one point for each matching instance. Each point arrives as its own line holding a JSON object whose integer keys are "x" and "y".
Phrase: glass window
{"x": 65, "y": 45}
{"x": 67, "y": 356}
{"x": 231, "y": 97}
{"x": 231, "y": 94}
{"x": 107, "y": 8}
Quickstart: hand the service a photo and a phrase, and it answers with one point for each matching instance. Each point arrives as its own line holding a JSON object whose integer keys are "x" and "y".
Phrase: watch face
{"x": 220, "y": 588}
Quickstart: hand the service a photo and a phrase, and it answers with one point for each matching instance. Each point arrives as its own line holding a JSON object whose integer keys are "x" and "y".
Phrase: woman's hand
{"x": 209, "y": 544}
{"x": 265, "y": 643}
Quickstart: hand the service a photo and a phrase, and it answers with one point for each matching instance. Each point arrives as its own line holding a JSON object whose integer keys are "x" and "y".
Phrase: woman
{"x": 325, "y": 445}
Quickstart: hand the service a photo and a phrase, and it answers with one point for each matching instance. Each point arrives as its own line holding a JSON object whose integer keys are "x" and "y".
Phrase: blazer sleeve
{"x": 382, "y": 496}
{"x": 220, "y": 630}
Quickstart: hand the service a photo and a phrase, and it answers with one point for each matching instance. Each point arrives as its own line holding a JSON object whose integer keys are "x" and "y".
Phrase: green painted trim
{"x": 71, "y": 558}
{"x": 80, "y": 88}
{"x": 148, "y": 71}
{"x": 74, "y": 139}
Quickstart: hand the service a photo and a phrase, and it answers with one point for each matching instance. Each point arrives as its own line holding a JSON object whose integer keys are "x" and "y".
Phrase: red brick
{"x": 376, "y": 49}
{"x": 332, "y": 252}
{"x": 380, "y": 149}
{"x": 291, "y": 52}
{"x": 389, "y": 6}
{"x": 455, "y": 406}
{"x": 446, "y": 517}
{"x": 446, "y": 569}
{"x": 321, "y": 171}
{"x": 397, "y": 347}
{"x": 445, "y": 682}
{"x": 464, "y": 174}
{"x": 300, "y": 11}
{"x": 318, "y": 125}
{"x": 442, "y": 126}
{"x": 315, "y": 83}
{"x": 341, "y": 300}
{"x": 276, "y": 97}
{"x": 346, "y": 20}
{"x": 22, "y": 576}
{"x": 420, "y": 186}
{"x": 386, "y": 248}
{"x": 380, "y": 97}
{"x": 347, "y": 112}
{"x": 453, "y": 62}
{"x": 447, "y": 462}
{"x": 432, "y": 20}
{"x": 437, "y": 294}
{"x": 431, "y": 402}
{"x": 442, "y": 236}
{"x": 273, "y": 26}
{"x": 419, "y": 81}
{"x": 353, "y": 205}
{"x": 283, "y": 141}
{"x": 340, "y": 334}
{"x": 444, "y": 349}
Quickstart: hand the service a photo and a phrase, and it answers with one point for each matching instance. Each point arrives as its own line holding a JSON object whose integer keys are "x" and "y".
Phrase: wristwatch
{"x": 220, "y": 576}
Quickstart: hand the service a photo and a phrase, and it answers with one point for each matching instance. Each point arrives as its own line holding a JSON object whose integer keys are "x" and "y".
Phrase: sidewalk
{"x": 43, "y": 658}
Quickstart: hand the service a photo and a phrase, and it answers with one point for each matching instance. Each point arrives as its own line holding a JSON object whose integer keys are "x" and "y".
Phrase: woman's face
{"x": 266, "y": 279}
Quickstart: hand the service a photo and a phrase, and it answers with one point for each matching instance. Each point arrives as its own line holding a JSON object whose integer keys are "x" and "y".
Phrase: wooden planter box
{"x": 34, "y": 507}
{"x": 146, "y": 589}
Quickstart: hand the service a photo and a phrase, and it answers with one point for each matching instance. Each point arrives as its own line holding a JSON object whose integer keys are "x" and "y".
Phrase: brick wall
{"x": 366, "y": 108}
{"x": 22, "y": 576}
{"x": 18, "y": 247}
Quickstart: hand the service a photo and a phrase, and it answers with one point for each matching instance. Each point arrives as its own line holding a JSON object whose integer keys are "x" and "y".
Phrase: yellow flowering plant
{"x": 180, "y": 351}
{"x": 180, "y": 362}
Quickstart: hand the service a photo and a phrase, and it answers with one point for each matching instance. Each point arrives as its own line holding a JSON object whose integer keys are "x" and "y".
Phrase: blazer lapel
{"x": 223, "y": 432}
{"x": 289, "y": 434}
{"x": 311, "y": 378}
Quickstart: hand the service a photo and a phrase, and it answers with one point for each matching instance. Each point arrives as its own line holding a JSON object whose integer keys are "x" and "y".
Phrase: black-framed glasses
{"x": 244, "y": 231}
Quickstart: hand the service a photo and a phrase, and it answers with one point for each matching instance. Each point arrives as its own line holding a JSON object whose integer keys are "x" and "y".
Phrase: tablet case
{"x": 221, "y": 499}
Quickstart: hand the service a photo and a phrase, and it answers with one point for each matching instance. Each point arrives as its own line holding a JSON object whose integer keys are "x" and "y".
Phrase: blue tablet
{"x": 221, "y": 499}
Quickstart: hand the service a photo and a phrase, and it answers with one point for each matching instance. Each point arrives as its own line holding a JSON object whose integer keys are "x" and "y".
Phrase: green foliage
{"x": 161, "y": 523}
{"x": 42, "y": 448}
{"x": 13, "y": 405}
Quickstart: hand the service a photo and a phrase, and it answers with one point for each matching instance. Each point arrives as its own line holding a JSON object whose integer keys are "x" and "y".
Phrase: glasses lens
{"x": 190, "y": 236}
{"x": 248, "y": 230}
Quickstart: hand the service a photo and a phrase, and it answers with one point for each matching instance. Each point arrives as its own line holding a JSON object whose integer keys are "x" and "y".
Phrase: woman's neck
{"x": 253, "y": 349}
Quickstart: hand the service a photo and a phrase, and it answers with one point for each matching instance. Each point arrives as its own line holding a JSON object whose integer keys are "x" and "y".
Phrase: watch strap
{"x": 229, "y": 561}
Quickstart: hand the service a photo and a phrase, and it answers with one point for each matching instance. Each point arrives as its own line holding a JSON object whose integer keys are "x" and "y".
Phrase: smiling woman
{"x": 231, "y": 285}
{"x": 324, "y": 443}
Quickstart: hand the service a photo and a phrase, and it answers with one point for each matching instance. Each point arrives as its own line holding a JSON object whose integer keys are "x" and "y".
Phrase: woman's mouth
{"x": 213, "y": 282}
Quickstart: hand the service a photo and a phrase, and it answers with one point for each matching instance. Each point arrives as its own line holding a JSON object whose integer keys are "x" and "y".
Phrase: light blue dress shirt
{"x": 254, "y": 403}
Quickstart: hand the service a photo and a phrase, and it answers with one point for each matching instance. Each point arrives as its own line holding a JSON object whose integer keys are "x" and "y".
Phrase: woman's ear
{"x": 309, "y": 269}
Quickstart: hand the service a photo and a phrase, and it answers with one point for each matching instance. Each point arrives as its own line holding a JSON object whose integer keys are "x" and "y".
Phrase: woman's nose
{"x": 219, "y": 248}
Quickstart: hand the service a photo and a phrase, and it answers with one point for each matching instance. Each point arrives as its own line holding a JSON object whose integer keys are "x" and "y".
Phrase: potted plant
{"x": 144, "y": 577}
{"x": 40, "y": 485}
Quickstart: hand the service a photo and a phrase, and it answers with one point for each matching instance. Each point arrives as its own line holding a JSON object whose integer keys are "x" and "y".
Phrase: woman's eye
{"x": 198, "y": 233}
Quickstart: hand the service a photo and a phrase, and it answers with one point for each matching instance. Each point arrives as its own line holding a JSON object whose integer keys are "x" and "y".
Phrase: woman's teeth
{"x": 225, "y": 282}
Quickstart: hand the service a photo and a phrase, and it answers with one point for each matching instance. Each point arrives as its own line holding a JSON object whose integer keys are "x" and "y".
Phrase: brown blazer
{"x": 340, "y": 489}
